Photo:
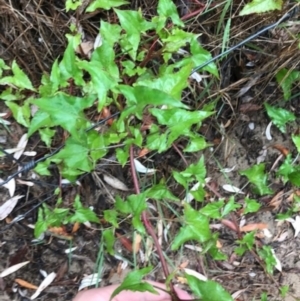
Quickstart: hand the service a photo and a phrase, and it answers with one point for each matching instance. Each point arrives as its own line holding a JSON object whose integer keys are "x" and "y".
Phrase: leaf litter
{"x": 13, "y": 269}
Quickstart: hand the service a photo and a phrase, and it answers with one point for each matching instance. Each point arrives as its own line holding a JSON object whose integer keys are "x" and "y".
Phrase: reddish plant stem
{"x": 148, "y": 56}
{"x": 192, "y": 14}
{"x": 212, "y": 189}
{"x": 148, "y": 225}
{"x": 180, "y": 153}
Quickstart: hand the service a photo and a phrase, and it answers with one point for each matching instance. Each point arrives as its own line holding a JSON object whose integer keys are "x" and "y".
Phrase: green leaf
{"x": 74, "y": 157}
{"x": 162, "y": 141}
{"x": 176, "y": 39}
{"x": 83, "y": 215}
{"x": 138, "y": 137}
{"x": 19, "y": 78}
{"x": 39, "y": 120}
{"x": 179, "y": 117}
{"x": 158, "y": 141}
{"x": 174, "y": 133}
{"x": 129, "y": 68}
{"x": 122, "y": 155}
{"x": 40, "y": 226}
{"x": 21, "y": 114}
{"x": 51, "y": 84}
{"x": 286, "y": 78}
{"x": 207, "y": 290}
{"x": 133, "y": 282}
{"x": 284, "y": 290}
{"x": 264, "y": 296}
{"x": 122, "y": 206}
{"x": 111, "y": 216}
{"x": 97, "y": 145}
{"x": 199, "y": 56}
{"x": 286, "y": 168}
{"x": 139, "y": 97}
{"x": 169, "y": 81}
{"x": 55, "y": 78}
{"x": 216, "y": 254}
{"x": 73, "y": 4}
{"x": 104, "y": 58}
{"x": 256, "y": 175}
{"x": 9, "y": 94}
{"x": 110, "y": 33}
{"x": 245, "y": 244}
{"x": 213, "y": 210}
{"x": 181, "y": 179}
{"x": 160, "y": 192}
{"x": 3, "y": 67}
{"x": 230, "y": 206}
{"x": 134, "y": 25}
{"x": 266, "y": 254}
{"x": 66, "y": 110}
{"x": 279, "y": 116}
{"x": 197, "y": 170}
{"x": 68, "y": 66}
{"x": 296, "y": 140}
{"x": 178, "y": 121}
{"x": 57, "y": 217}
{"x": 251, "y": 205}
{"x": 105, "y": 4}
{"x": 196, "y": 227}
{"x": 294, "y": 177}
{"x": 261, "y": 6}
{"x": 101, "y": 80}
{"x": 137, "y": 203}
{"x": 47, "y": 135}
{"x": 42, "y": 168}
{"x": 167, "y": 9}
{"x": 196, "y": 143}
{"x": 109, "y": 240}
{"x": 199, "y": 194}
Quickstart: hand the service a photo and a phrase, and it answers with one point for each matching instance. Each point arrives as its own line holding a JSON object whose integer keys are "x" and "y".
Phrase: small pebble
{"x": 3, "y": 139}
{"x": 251, "y": 126}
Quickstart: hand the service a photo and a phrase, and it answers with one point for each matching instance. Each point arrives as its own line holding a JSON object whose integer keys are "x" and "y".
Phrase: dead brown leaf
{"x": 76, "y": 227}
{"x": 143, "y": 152}
{"x": 85, "y": 48}
{"x": 249, "y": 107}
{"x": 60, "y": 232}
{"x": 19, "y": 256}
{"x": 229, "y": 224}
{"x": 26, "y": 284}
{"x": 184, "y": 264}
{"x": 276, "y": 200}
{"x": 283, "y": 150}
{"x": 252, "y": 227}
{"x": 181, "y": 280}
{"x": 62, "y": 271}
{"x": 137, "y": 243}
{"x": 126, "y": 243}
